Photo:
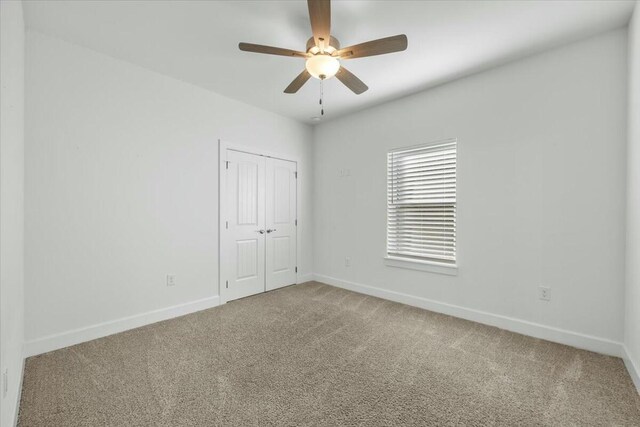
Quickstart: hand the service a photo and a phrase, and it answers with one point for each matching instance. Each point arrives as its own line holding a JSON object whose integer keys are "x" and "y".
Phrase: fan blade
{"x": 351, "y": 81}
{"x": 270, "y": 50}
{"x": 297, "y": 83}
{"x": 374, "y": 47}
{"x": 320, "y": 16}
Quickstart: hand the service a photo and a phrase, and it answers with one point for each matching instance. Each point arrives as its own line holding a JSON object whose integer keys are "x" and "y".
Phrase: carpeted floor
{"x": 313, "y": 354}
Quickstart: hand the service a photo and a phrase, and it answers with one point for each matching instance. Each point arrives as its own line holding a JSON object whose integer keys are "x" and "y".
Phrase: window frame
{"x": 417, "y": 263}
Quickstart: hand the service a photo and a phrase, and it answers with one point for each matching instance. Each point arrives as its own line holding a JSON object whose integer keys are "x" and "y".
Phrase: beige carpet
{"x": 313, "y": 354}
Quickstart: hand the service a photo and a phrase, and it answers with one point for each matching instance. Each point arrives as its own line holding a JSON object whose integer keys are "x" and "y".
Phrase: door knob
{"x": 271, "y": 230}
{"x": 260, "y": 231}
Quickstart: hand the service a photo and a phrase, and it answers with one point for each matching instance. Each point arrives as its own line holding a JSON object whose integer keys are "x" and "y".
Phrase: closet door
{"x": 244, "y": 245}
{"x": 281, "y": 236}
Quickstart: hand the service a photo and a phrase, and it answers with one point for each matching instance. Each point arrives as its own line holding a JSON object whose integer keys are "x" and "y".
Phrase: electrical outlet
{"x": 544, "y": 293}
{"x": 5, "y": 382}
{"x": 171, "y": 280}
{"x": 344, "y": 172}
{"x": 347, "y": 262}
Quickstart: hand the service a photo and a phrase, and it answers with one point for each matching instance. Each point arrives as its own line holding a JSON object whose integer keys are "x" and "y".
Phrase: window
{"x": 421, "y": 203}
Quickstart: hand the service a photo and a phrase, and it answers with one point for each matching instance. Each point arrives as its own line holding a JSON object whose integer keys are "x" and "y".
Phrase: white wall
{"x": 122, "y": 187}
{"x": 11, "y": 204}
{"x": 632, "y": 320}
{"x": 541, "y": 193}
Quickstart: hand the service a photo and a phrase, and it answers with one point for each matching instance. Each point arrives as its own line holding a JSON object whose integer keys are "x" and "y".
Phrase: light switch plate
{"x": 544, "y": 293}
{"x": 171, "y": 280}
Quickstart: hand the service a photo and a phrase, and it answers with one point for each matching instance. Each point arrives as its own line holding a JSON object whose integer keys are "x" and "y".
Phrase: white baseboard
{"x": 634, "y": 370}
{"x": 304, "y": 278}
{"x": 536, "y": 330}
{"x": 77, "y": 336}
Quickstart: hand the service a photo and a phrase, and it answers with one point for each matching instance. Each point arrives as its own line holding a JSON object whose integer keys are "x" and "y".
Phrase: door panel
{"x": 281, "y": 252}
{"x": 281, "y": 194}
{"x": 247, "y": 256}
{"x": 247, "y": 197}
{"x": 281, "y": 223}
{"x": 245, "y": 245}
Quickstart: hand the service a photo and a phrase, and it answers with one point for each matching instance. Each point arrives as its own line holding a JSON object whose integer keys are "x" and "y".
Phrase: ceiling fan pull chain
{"x": 321, "y": 97}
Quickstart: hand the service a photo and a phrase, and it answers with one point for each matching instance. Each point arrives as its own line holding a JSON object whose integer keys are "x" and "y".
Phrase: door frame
{"x": 223, "y": 146}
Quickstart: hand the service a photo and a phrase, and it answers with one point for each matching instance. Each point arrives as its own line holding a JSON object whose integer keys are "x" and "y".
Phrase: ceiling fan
{"x": 323, "y": 52}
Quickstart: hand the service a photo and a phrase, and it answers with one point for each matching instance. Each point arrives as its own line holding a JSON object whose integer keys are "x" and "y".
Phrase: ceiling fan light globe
{"x": 322, "y": 66}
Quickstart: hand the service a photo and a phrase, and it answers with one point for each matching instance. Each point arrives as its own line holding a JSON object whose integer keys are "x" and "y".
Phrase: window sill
{"x": 414, "y": 264}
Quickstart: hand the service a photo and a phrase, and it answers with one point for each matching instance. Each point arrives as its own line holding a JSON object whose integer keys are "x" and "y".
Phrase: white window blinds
{"x": 421, "y": 202}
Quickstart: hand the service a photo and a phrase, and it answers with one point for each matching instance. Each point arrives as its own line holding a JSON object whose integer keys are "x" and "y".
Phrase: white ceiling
{"x": 197, "y": 41}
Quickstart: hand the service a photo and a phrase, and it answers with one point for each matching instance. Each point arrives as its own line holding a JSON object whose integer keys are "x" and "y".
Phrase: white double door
{"x": 259, "y": 239}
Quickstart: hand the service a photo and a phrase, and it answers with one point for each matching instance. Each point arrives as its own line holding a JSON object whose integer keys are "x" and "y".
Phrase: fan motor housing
{"x": 333, "y": 42}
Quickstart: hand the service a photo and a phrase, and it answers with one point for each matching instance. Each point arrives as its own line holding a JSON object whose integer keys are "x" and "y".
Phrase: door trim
{"x": 223, "y": 146}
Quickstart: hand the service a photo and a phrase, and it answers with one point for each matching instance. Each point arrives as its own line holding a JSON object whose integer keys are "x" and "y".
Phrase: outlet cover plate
{"x": 5, "y": 382}
{"x": 544, "y": 293}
